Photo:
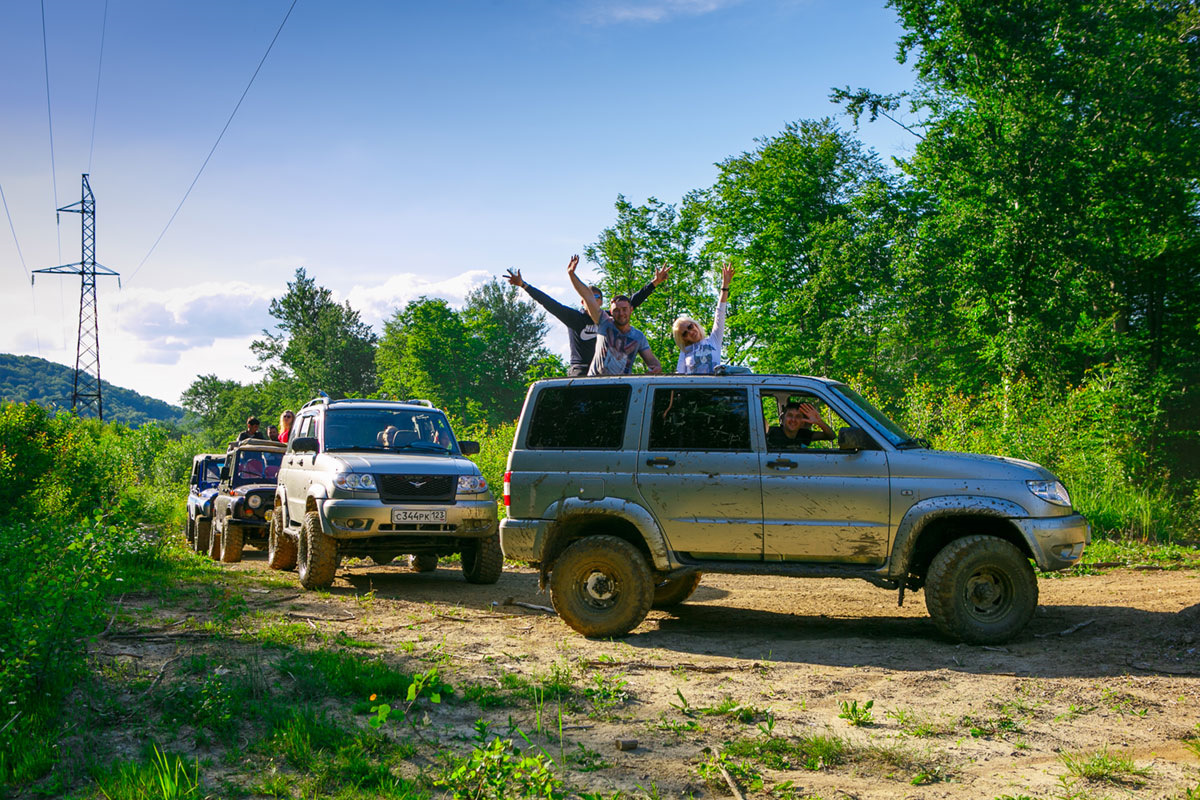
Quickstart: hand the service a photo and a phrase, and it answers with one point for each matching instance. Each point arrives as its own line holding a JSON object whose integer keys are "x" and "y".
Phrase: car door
{"x": 297, "y": 468}
{"x": 698, "y": 472}
{"x": 821, "y": 503}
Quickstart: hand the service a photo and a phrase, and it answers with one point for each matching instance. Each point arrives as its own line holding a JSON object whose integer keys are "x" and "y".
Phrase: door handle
{"x": 660, "y": 461}
{"x": 782, "y": 463}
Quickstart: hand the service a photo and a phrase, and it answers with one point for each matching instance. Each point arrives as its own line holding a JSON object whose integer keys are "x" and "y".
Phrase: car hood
{"x": 405, "y": 463}
{"x": 919, "y": 463}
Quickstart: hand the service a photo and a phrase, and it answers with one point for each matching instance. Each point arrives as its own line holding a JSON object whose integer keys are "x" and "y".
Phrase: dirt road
{"x": 1108, "y": 673}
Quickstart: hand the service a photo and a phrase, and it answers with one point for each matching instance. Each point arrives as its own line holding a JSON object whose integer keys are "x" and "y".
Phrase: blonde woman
{"x": 700, "y": 353}
{"x": 285, "y": 426}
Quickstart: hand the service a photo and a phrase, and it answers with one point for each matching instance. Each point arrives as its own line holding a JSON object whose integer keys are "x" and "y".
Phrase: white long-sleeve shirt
{"x": 702, "y": 357}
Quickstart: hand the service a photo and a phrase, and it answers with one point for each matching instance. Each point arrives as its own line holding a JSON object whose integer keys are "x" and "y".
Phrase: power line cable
{"x": 99, "y": 69}
{"x": 50, "y": 124}
{"x": 214, "y": 147}
{"x": 37, "y": 337}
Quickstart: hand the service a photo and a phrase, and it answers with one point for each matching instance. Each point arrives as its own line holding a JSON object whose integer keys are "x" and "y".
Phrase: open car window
{"x": 809, "y": 436}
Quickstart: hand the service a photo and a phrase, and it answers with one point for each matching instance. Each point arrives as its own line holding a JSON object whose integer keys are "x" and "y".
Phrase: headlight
{"x": 254, "y": 500}
{"x": 1050, "y": 491}
{"x": 472, "y": 484}
{"x": 354, "y": 481}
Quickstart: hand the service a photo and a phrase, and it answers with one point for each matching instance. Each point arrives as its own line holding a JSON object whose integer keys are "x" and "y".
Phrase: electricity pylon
{"x": 86, "y": 393}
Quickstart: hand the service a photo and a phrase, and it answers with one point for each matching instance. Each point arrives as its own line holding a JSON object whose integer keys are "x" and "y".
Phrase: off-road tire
{"x": 383, "y": 559}
{"x": 422, "y": 562}
{"x": 317, "y": 560}
{"x": 233, "y": 540}
{"x": 214, "y": 543}
{"x": 189, "y": 531}
{"x": 483, "y": 560}
{"x": 203, "y": 534}
{"x": 601, "y": 586}
{"x": 281, "y": 548}
{"x": 673, "y": 592}
{"x": 981, "y": 590}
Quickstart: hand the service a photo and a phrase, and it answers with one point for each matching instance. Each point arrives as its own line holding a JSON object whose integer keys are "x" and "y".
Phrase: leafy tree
{"x": 509, "y": 334}
{"x": 426, "y": 351}
{"x": 321, "y": 344}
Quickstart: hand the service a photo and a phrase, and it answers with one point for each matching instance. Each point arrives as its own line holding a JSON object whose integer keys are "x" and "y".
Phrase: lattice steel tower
{"x": 86, "y": 394}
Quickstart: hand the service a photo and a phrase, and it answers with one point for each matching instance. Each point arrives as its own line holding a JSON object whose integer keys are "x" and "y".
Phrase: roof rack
{"x": 417, "y": 402}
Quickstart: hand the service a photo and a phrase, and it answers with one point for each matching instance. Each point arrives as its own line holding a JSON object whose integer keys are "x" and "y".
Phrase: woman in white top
{"x": 700, "y": 353}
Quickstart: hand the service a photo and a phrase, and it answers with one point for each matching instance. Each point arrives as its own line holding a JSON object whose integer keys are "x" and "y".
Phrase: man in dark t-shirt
{"x": 797, "y": 432}
{"x": 581, "y": 331}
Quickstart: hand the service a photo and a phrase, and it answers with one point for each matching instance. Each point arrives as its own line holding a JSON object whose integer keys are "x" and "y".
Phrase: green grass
{"x": 321, "y": 673}
{"x": 816, "y": 752}
{"x": 157, "y": 777}
{"x": 1104, "y": 766}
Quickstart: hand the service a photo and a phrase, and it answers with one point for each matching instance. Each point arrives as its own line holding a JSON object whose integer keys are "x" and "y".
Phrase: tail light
{"x": 508, "y": 489}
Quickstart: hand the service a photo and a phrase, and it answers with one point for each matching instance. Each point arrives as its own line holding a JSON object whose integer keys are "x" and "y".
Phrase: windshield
{"x": 388, "y": 429}
{"x": 882, "y": 425}
{"x": 256, "y": 466}
{"x": 209, "y": 473}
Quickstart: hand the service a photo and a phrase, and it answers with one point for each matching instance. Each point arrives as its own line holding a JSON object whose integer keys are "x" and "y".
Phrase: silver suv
{"x": 377, "y": 478}
{"x": 625, "y": 490}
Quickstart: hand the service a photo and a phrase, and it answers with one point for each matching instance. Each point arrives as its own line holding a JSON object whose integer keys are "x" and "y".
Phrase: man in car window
{"x": 797, "y": 430}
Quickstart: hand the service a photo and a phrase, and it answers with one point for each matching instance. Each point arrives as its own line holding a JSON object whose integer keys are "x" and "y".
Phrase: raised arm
{"x": 573, "y": 318}
{"x": 589, "y": 299}
{"x": 813, "y": 417}
{"x": 718, "y": 329}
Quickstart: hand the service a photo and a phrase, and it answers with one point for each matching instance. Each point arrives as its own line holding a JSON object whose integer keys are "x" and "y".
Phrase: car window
{"x": 256, "y": 466}
{"x": 305, "y": 427}
{"x": 700, "y": 419}
{"x": 579, "y": 418}
{"x": 808, "y": 435}
{"x": 364, "y": 427}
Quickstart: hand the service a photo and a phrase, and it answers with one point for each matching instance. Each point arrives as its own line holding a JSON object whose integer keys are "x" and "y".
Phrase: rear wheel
{"x": 675, "y": 591}
{"x": 981, "y": 590}
{"x": 383, "y": 559}
{"x": 281, "y": 548}
{"x": 422, "y": 562}
{"x": 317, "y": 559}
{"x": 214, "y": 543}
{"x": 601, "y": 586}
{"x": 203, "y": 534}
{"x": 189, "y": 531}
{"x": 483, "y": 560}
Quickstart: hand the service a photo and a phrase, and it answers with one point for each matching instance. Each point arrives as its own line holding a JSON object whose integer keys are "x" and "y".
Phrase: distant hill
{"x": 26, "y": 379}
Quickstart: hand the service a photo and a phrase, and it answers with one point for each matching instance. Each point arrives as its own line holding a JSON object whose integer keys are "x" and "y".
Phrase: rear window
{"x": 700, "y": 419}
{"x": 579, "y": 418}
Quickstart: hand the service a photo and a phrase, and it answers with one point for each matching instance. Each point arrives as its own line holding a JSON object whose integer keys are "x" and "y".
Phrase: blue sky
{"x": 393, "y": 149}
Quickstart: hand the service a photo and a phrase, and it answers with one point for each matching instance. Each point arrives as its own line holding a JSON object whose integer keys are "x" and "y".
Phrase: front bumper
{"x": 1058, "y": 542}
{"x": 358, "y": 519}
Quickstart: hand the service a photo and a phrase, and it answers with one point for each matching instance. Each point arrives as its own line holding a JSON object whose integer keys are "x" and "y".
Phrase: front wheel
{"x": 483, "y": 560}
{"x": 214, "y": 542}
{"x": 233, "y": 539}
{"x": 675, "y": 591}
{"x": 981, "y": 590}
{"x": 281, "y": 548}
{"x": 189, "y": 531}
{"x": 601, "y": 586}
{"x": 422, "y": 562}
{"x": 317, "y": 559}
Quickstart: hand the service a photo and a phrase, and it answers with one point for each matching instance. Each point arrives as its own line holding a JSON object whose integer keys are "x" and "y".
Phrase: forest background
{"x": 1027, "y": 283}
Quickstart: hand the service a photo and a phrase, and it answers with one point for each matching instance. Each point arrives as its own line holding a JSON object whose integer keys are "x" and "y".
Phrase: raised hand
{"x": 661, "y": 275}
{"x": 574, "y": 262}
{"x": 727, "y": 275}
{"x": 514, "y": 277}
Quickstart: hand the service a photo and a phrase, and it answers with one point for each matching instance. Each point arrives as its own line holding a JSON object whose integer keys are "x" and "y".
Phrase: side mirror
{"x": 468, "y": 448}
{"x": 224, "y": 473}
{"x": 855, "y": 439}
{"x": 306, "y": 444}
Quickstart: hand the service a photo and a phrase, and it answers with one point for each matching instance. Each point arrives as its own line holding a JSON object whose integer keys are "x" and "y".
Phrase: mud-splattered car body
{"x": 690, "y": 472}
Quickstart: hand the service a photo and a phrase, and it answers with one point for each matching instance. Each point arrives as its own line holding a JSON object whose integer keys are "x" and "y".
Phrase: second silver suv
{"x": 625, "y": 490}
{"x": 378, "y": 478}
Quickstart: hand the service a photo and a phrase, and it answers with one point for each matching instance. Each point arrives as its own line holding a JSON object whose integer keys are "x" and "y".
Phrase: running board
{"x": 786, "y": 568}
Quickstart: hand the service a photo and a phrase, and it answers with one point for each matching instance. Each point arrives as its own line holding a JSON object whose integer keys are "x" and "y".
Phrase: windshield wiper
{"x": 425, "y": 445}
{"x": 371, "y": 447}
{"x": 914, "y": 441}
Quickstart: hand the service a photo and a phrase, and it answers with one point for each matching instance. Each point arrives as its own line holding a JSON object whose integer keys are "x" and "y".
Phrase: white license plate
{"x": 405, "y": 515}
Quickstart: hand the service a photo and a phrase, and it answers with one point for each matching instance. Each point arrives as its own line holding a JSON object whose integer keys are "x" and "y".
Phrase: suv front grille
{"x": 417, "y": 488}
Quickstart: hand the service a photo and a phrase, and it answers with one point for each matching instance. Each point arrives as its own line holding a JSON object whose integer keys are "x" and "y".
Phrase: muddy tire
{"x": 981, "y": 590}
{"x": 422, "y": 562}
{"x": 675, "y": 591}
{"x": 214, "y": 543}
{"x": 383, "y": 559}
{"x": 317, "y": 557}
{"x": 233, "y": 540}
{"x": 189, "y": 531}
{"x": 203, "y": 534}
{"x": 483, "y": 560}
{"x": 281, "y": 548}
{"x": 601, "y": 586}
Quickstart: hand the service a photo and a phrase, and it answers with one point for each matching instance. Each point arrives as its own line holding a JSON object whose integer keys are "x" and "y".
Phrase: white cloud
{"x": 377, "y": 303}
{"x": 609, "y": 12}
